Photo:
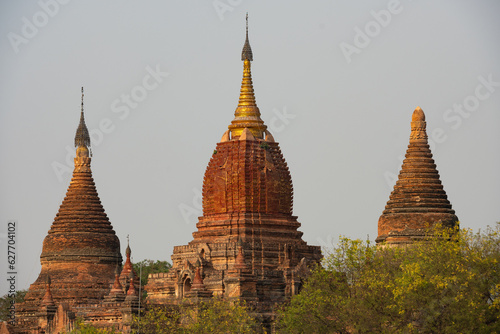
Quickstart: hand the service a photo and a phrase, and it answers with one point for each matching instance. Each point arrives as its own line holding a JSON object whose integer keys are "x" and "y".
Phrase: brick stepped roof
{"x": 418, "y": 199}
{"x": 81, "y": 227}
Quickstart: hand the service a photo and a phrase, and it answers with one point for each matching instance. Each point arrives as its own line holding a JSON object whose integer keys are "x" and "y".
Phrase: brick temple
{"x": 247, "y": 244}
{"x": 418, "y": 201}
{"x": 81, "y": 261}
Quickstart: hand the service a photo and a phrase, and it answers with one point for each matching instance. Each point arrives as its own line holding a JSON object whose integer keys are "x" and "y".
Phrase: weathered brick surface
{"x": 247, "y": 176}
{"x": 79, "y": 257}
{"x": 418, "y": 200}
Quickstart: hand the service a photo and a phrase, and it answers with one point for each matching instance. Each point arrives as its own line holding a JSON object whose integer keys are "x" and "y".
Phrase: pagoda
{"x": 80, "y": 256}
{"x": 247, "y": 244}
{"x": 418, "y": 201}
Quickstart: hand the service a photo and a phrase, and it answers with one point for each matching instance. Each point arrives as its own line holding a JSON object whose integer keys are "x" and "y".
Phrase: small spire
{"x": 82, "y": 138}
{"x": 247, "y": 50}
{"x": 131, "y": 290}
{"x": 198, "y": 281}
{"x": 418, "y": 125}
{"x": 117, "y": 287}
{"x": 128, "y": 251}
{"x": 128, "y": 268}
{"x": 47, "y": 299}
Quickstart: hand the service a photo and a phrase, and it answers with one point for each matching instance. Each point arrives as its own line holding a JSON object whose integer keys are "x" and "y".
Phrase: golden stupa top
{"x": 247, "y": 114}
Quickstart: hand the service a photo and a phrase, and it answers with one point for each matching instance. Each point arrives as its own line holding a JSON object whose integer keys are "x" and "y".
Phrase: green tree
{"x": 158, "y": 319}
{"x": 449, "y": 283}
{"x": 6, "y": 302}
{"x": 146, "y": 267}
{"x": 82, "y": 328}
{"x": 222, "y": 316}
{"x": 214, "y": 316}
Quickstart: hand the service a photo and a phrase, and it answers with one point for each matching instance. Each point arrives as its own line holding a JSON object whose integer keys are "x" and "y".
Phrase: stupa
{"x": 418, "y": 201}
{"x": 80, "y": 256}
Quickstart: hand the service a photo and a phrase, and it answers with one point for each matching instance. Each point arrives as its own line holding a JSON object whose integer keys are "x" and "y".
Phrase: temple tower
{"x": 80, "y": 252}
{"x": 418, "y": 200}
{"x": 247, "y": 244}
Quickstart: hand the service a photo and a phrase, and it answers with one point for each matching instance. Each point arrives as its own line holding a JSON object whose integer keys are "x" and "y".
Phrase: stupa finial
{"x": 247, "y": 50}
{"x": 127, "y": 250}
{"x": 82, "y": 137}
{"x": 247, "y": 114}
{"x": 418, "y": 125}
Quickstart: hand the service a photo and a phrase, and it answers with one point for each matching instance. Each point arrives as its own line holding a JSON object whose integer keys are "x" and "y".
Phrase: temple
{"x": 80, "y": 256}
{"x": 247, "y": 244}
{"x": 418, "y": 201}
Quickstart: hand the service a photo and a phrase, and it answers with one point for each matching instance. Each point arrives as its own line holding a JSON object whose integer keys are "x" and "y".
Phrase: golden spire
{"x": 247, "y": 114}
{"x": 82, "y": 138}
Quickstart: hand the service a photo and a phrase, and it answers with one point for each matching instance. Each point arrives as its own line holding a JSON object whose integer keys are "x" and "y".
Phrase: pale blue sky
{"x": 342, "y": 125}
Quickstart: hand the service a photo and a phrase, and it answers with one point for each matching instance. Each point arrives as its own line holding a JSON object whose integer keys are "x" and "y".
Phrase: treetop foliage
{"x": 449, "y": 283}
{"x": 82, "y": 328}
{"x": 6, "y": 303}
{"x": 146, "y": 267}
{"x": 214, "y": 316}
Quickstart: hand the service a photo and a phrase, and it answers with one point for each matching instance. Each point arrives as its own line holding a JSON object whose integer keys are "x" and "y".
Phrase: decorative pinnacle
{"x": 47, "y": 299}
{"x": 82, "y": 138}
{"x": 247, "y": 50}
{"x": 247, "y": 114}
{"x": 418, "y": 125}
{"x": 418, "y": 115}
{"x": 128, "y": 251}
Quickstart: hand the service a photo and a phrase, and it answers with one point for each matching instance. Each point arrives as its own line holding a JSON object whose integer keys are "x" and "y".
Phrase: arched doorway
{"x": 186, "y": 287}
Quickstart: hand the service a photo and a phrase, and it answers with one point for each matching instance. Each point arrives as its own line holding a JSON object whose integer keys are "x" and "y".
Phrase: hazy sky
{"x": 336, "y": 82}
